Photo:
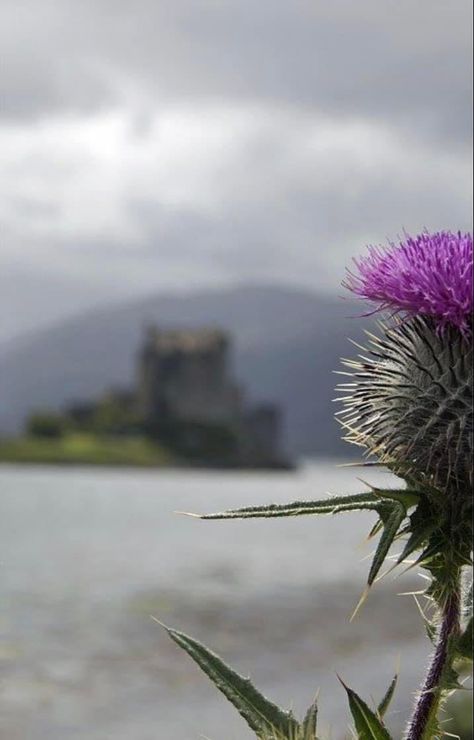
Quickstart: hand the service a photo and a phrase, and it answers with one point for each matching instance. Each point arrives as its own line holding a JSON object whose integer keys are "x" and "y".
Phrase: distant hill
{"x": 287, "y": 343}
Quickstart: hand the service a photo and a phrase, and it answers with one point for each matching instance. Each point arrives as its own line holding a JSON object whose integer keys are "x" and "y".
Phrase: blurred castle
{"x": 184, "y": 375}
{"x": 187, "y": 399}
{"x": 185, "y": 387}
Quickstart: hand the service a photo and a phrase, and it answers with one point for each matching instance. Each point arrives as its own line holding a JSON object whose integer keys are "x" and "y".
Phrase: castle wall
{"x": 187, "y": 380}
{"x": 184, "y": 376}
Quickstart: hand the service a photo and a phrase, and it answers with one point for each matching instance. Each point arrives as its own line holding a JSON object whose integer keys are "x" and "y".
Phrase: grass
{"x": 85, "y": 449}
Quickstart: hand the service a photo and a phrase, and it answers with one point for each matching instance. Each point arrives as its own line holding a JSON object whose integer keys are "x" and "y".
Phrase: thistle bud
{"x": 410, "y": 403}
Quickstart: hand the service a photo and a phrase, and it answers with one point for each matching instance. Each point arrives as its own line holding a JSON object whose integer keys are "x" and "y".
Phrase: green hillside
{"x": 85, "y": 449}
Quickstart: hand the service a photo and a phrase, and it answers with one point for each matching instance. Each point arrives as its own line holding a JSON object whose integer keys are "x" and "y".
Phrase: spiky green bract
{"x": 387, "y": 698}
{"x": 378, "y": 499}
{"x": 410, "y": 403}
{"x": 391, "y": 505}
{"x": 310, "y": 721}
{"x": 330, "y": 505}
{"x": 395, "y": 515}
{"x": 465, "y": 642}
{"x": 266, "y": 719}
{"x": 367, "y": 724}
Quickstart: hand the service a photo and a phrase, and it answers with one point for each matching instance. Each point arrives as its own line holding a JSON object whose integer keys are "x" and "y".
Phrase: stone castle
{"x": 186, "y": 398}
{"x": 184, "y": 375}
{"x": 184, "y": 383}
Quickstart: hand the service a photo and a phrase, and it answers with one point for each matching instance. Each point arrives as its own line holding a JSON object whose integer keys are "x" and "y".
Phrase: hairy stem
{"x": 428, "y": 702}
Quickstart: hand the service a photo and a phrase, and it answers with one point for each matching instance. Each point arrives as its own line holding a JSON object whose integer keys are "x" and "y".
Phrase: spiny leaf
{"x": 310, "y": 722}
{"x": 465, "y": 643}
{"x": 375, "y": 529}
{"x": 367, "y": 724}
{"x": 431, "y": 630}
{"x": 390, "y": 530}
{"x": 404, "y": 496}
{"x": 262, "y": 716}
{"x": 332, "y": 505}
{"x": 450, "y": 681}
{"x": 385, "y": 703}
{"x": 417, "y": 539}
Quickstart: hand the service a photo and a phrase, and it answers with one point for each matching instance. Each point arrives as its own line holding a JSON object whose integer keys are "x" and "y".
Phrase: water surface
{"x": 87, "y": 555}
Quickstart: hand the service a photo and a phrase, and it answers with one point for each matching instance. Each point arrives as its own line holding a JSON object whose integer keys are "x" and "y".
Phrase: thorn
{"x": 341, "y": 681}
{"x": 162, "y": 624}
{"x": 189, "y": 513}
{"x": 361, "y": 601}
{"x": 359, "y": 346}
{"x": 411, "y": 593}
{"x": 372, "y": 488}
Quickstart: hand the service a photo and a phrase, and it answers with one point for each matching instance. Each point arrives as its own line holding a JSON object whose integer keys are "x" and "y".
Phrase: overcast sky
{"x": 154, "y": 145}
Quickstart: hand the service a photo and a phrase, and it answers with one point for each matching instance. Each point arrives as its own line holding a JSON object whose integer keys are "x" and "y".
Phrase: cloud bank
{"x": 156, "y": 146}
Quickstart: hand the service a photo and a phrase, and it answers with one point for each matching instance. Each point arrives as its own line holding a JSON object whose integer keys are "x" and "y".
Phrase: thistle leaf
{"x": 450, "y": 681}
{"x": 431, "y": 631}
{"x": 465, "y": 643}
{"x": 332, "y": 505}
{"x": 404, "y": 496}
{"x": 368, "y": 725}
{"x": 262, "y": 716}
{"x": 390, "y": 531}
{"x": 310, "y": 721}
{"x": 375, "y": 529}
{"x": 385, "y": 703}
{"x": 417, "y": 540}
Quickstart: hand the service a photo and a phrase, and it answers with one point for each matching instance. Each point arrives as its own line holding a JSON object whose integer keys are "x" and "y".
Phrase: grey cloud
{"x": 292, "y": 229}
{"x": 401, "y": 60}
{"x": 277, "y": 218}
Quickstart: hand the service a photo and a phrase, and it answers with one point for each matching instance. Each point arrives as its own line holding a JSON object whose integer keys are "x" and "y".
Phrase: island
{"x": 186, "y": 409}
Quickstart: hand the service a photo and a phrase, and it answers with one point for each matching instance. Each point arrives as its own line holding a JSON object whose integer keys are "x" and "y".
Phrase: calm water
{"x": 87, "y": 555}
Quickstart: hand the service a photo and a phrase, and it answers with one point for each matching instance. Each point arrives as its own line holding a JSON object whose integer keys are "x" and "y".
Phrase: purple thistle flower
{"x": 429, "y": 274}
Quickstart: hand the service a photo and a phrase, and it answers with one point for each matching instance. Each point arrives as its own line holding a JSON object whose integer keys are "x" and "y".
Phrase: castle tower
{"x": 184, "y": 376}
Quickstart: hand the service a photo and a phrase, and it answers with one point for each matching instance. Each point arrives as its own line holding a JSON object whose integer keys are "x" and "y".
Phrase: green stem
{"x": 428, "y": 702}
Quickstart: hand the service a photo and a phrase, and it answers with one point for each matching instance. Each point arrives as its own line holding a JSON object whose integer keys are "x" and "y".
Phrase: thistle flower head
{"x": 427, "y": 275}
{"x": 410, "y": 403}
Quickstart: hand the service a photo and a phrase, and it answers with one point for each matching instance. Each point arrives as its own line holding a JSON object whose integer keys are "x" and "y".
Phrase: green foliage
{"x": 45, "y": 425}
{"x": 85, "y": 449}
{"x": 459, "y": 710}
{"x": 465, "y": 642}
{"x": 392, "y": 522}
{"x": 387, "y": 698}
{"x": 406, "y": 496}
{"x": 418, "y": 538}
{"x": 368, "y": 726}
{"x": 331, "y": 505}
{"x": 427, "y": 529}
{"x": 310, "y": 722}
{"x": 390, "y": 505}
{"x": 263, "y": 717}
{"x": 111, "y": 416}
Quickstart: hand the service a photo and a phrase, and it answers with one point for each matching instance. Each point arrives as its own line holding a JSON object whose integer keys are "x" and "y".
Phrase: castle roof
{"x": 185, "y": 340}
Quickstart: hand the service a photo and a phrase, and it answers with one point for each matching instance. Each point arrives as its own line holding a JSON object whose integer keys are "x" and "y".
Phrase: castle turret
{"x": 184, "y": 376}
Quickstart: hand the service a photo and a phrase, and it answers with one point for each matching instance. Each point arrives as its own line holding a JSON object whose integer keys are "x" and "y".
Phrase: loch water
{"x": 89, "y": 555}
